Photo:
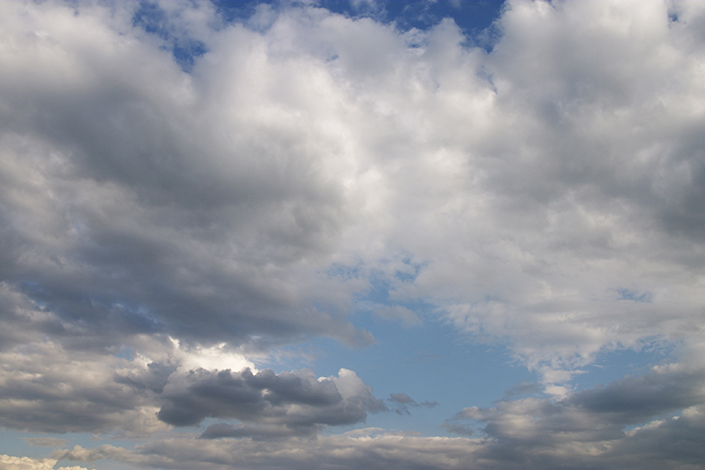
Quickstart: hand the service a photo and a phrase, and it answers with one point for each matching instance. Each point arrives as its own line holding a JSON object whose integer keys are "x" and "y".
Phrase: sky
{"x": 352, "y": 234}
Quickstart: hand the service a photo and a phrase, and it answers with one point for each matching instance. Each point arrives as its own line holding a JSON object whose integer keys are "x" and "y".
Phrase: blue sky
{"x": 352, "y": 234}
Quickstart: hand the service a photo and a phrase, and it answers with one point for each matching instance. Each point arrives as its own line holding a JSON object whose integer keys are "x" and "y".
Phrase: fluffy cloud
{"x": 8, "y": 462}
{"x": 535, "y": 185}
{"x": 152, "y": 382}
{"x": 46, "y": 388}
{"x": 569, "y": 184}
{"x": 297, "y": 400}
{"x": 130, "y": 206}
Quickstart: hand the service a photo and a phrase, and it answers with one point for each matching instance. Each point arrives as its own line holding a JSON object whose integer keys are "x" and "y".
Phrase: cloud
{"x": 530, "y": 184}
{"x": 594, "y": 428}
{"x": 164, "y": 220}
{"x": 593, "y": 423}
{"x": 402, "y": 402}
{"x": 259, "y": 432}
{"x": 45, "y": 441}
{"x": 8, "y": 462}
{"x": 110, "y": 250}
{"x": 399, "y": 313}
{"x": 672, "y": 443}
{"x": 522, "y": 388}
{"x": 561, "y": 184}
{"x": 47, "y": 388}
{"x": 368, "y": 448}
{"x": 293, "y": 399}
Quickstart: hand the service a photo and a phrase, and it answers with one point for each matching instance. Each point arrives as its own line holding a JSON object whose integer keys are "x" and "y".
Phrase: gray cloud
{"x": 589, "y": 429}
{"x": 593, "y": 423}
{"x": 261, "y": 432}
{"x": 139, "y": 208}
{"x": 293, "y": 399}
{"x": 45, "y": 441}
{"x": 399, "y": 313}
{"x": 522, "y": 389}
{"x": 669, "y": 443}
{"x": 367, "y": 448}
{"x": 402, "y": 402}
{"x": 50, "y": 389}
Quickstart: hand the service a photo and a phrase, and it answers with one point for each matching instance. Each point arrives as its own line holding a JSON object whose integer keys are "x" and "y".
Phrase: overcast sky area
{"x": 346, "y": 235}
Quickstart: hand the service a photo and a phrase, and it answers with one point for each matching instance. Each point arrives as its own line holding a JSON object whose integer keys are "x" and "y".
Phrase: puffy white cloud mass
{"x": 165, "y": 222}
{"x": 8, "y": 462}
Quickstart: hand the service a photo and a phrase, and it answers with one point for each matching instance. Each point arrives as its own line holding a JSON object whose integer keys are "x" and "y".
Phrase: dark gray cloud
{"x": 595, "y": 423}
{"x": 293, "y": 399}
{"x": 634, "y": 399}
{"x": 672, "y": 443}
{"x": 153, "y": 378}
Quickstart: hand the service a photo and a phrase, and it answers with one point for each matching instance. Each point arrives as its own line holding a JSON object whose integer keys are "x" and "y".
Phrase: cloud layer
{"x": 180, "y": 195}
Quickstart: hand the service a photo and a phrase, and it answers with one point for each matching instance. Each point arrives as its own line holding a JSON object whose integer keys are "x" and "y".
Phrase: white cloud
{"x": 214, "y": 358}
{"x": 531, "y": 204}
{"x": 8, "y": 462}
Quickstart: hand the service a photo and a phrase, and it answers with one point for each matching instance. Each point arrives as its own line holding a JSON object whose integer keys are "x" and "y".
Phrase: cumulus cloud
{"x": 8, "y": 462}
{"x": 532, "y": 184}
{"x": 132, "y": 206}
{"x": 293, "y": 399}
{"x": 49, "y": 389}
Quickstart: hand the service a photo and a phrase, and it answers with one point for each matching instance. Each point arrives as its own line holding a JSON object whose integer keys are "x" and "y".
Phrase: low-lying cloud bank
{"x": 671, "y": 442}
